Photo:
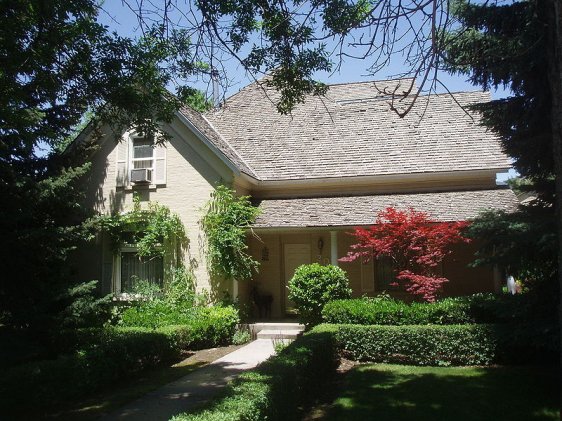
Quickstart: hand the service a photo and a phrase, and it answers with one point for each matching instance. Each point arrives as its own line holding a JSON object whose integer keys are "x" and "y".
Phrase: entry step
{"x": 279, "y": 334}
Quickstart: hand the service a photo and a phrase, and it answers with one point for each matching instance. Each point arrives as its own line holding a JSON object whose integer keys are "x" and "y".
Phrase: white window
{"x": 135, "y": 152}
{"x": 143, "y": 153}
{"x": 131, "y": 269}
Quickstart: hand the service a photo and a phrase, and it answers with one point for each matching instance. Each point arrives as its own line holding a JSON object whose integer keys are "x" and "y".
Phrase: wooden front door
{"x": 295, "y": 255}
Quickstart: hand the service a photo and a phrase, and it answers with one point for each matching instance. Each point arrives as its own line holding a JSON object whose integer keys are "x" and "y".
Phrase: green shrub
{"x": 241, "y": 337}
{"x": 159, "y": 313}
{"x": 277, "y": 388}
{"x": 103, "y": 356}
{"x": 421, "y": 345}
{"x": 313, "y": 286}
{"x": 478, "y": 308}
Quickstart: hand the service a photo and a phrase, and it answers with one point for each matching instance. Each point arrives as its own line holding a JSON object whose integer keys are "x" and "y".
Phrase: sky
{"x": 119, "y": 18}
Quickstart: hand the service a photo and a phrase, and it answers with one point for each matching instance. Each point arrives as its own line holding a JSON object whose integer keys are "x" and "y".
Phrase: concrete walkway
{"x": 195, "y": 388}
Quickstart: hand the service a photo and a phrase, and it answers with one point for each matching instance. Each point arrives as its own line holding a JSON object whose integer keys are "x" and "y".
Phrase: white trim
{"x": 334, "y": 248}
{"x": 209, "y": 144}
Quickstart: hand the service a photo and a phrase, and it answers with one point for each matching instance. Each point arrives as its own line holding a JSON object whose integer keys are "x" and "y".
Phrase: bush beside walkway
{"x": 103, "y": 356}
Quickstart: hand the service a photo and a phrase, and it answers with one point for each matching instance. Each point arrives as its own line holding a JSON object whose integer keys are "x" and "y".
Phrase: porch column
{"x": 334, "y": 247}
{"x": 234, "y": 289}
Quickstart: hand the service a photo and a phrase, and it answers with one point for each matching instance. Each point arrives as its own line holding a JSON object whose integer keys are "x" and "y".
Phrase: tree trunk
{"x": 555, "y": 82}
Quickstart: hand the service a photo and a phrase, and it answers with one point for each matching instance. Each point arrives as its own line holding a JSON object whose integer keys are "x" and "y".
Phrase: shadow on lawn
{"x": 388, "y": 392}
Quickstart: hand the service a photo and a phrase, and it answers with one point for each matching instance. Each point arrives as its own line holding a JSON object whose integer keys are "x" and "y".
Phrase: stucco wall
{"x": 192, "y": 171}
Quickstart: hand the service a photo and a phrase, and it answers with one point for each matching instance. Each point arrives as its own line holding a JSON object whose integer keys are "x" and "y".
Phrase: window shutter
{"x": 123, "y": 162}
{"x": 160, "y": 164}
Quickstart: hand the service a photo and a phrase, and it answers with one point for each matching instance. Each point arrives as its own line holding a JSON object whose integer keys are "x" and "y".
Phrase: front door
{"x": 295, "y": 255}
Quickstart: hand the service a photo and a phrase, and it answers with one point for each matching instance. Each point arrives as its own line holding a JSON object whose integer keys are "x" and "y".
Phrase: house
{"x": 329, "y": 166}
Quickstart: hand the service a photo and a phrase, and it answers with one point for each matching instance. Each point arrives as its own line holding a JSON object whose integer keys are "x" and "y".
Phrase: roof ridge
{"x": 369, "y": 81}
{"x": 254, "y": 173}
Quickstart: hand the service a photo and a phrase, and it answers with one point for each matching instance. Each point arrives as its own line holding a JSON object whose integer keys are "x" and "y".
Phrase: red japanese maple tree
{"x": 415, "y": 243}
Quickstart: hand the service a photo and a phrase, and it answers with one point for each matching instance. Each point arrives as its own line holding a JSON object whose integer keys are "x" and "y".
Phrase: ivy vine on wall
{"x": 153, "y": 230}
{"x": 225, "y": 222}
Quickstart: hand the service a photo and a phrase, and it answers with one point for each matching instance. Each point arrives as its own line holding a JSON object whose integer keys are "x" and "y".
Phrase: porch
{"x": 281, "y": 251}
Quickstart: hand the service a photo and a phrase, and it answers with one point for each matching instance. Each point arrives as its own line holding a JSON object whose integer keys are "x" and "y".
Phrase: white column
{"x": 234, "y": 289}
{"x": 334, "y": 247}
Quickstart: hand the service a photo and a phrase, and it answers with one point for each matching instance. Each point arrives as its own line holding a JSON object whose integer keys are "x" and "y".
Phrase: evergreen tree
{"x": 59, "y": 63}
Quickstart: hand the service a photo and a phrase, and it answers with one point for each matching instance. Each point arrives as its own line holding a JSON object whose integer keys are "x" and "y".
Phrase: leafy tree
{"x": 415, "y": 243}
{"x": 59, "y": 63}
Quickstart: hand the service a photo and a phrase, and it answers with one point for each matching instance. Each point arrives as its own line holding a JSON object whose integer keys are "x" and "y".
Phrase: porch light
{"x": 320, "y": 244}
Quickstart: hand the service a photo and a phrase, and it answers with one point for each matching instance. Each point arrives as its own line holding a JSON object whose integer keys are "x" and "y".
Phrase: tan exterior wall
{"x": 192, "y": 171}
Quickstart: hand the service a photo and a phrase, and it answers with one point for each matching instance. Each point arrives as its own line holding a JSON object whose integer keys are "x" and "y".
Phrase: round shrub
{"x": 313, "y": 286}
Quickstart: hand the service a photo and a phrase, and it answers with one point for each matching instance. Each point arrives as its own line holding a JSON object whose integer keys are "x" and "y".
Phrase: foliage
{"x": 241, "y": 336}
{"x": 388, "y": 311}
{"x": 420, "y": 345}
{"x": 226, "y": 219}
{"x": 277, "y": 388}
{"x": 517, "y": 45}
{"x": 526, "y": 311}
{"x": 152, "y": 229}
{"x": 467, "y": 344}
{"x": 83, "y": 307}
{"x": 506, "y": 45}
{"x": 415, "y": 243}
{"x": 59, "y": 63}
{"x": 158, "y": 313}
{"x": 102, "y": 357}
{"x": 195, "y": 99}
{"x": 312, "y": 286}
{"x": 180, "y": 288}
{"x": 524, "y": 242}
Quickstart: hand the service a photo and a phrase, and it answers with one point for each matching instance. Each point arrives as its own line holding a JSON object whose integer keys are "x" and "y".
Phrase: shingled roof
{"x": 203, "y": 126}
{"x": 362, "y": 210}
{"x": 351, "y": 131}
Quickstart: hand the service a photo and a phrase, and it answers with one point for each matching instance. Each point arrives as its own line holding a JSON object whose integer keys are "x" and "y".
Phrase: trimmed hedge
{"x": 479, "y": 308}
{"x": 159, "y": 313}
{"x": 277, "y": 388}
{"x": 108, "y": 355}
{"x": 420, "y": 345}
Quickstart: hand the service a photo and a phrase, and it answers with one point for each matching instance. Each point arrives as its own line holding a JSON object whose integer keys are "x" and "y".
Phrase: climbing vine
{"x": 225, "y": 222}
{"x": 152, "y": 230}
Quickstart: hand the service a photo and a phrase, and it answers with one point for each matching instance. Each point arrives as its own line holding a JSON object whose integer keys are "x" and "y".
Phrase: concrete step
{"x": 278, "y": 334}
{"x": 256, "y": 327}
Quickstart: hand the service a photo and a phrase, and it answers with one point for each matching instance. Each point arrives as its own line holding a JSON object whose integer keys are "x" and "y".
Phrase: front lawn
{"x": 393, "y": 392}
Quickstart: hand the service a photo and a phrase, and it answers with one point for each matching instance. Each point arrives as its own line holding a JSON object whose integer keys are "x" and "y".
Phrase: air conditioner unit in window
{"x": 141, "y": 176}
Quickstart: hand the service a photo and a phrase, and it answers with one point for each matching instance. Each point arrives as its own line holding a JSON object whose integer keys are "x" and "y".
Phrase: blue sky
{"x": 118, "y": 17}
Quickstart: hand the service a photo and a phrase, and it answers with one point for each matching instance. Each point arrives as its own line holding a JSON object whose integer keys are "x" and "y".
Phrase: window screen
{"x": 143, "y": 154}
{"x": 134, "y": 269}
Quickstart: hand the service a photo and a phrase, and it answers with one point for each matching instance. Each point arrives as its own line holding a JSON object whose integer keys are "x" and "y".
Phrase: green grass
{"x": 393, "y": 392}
